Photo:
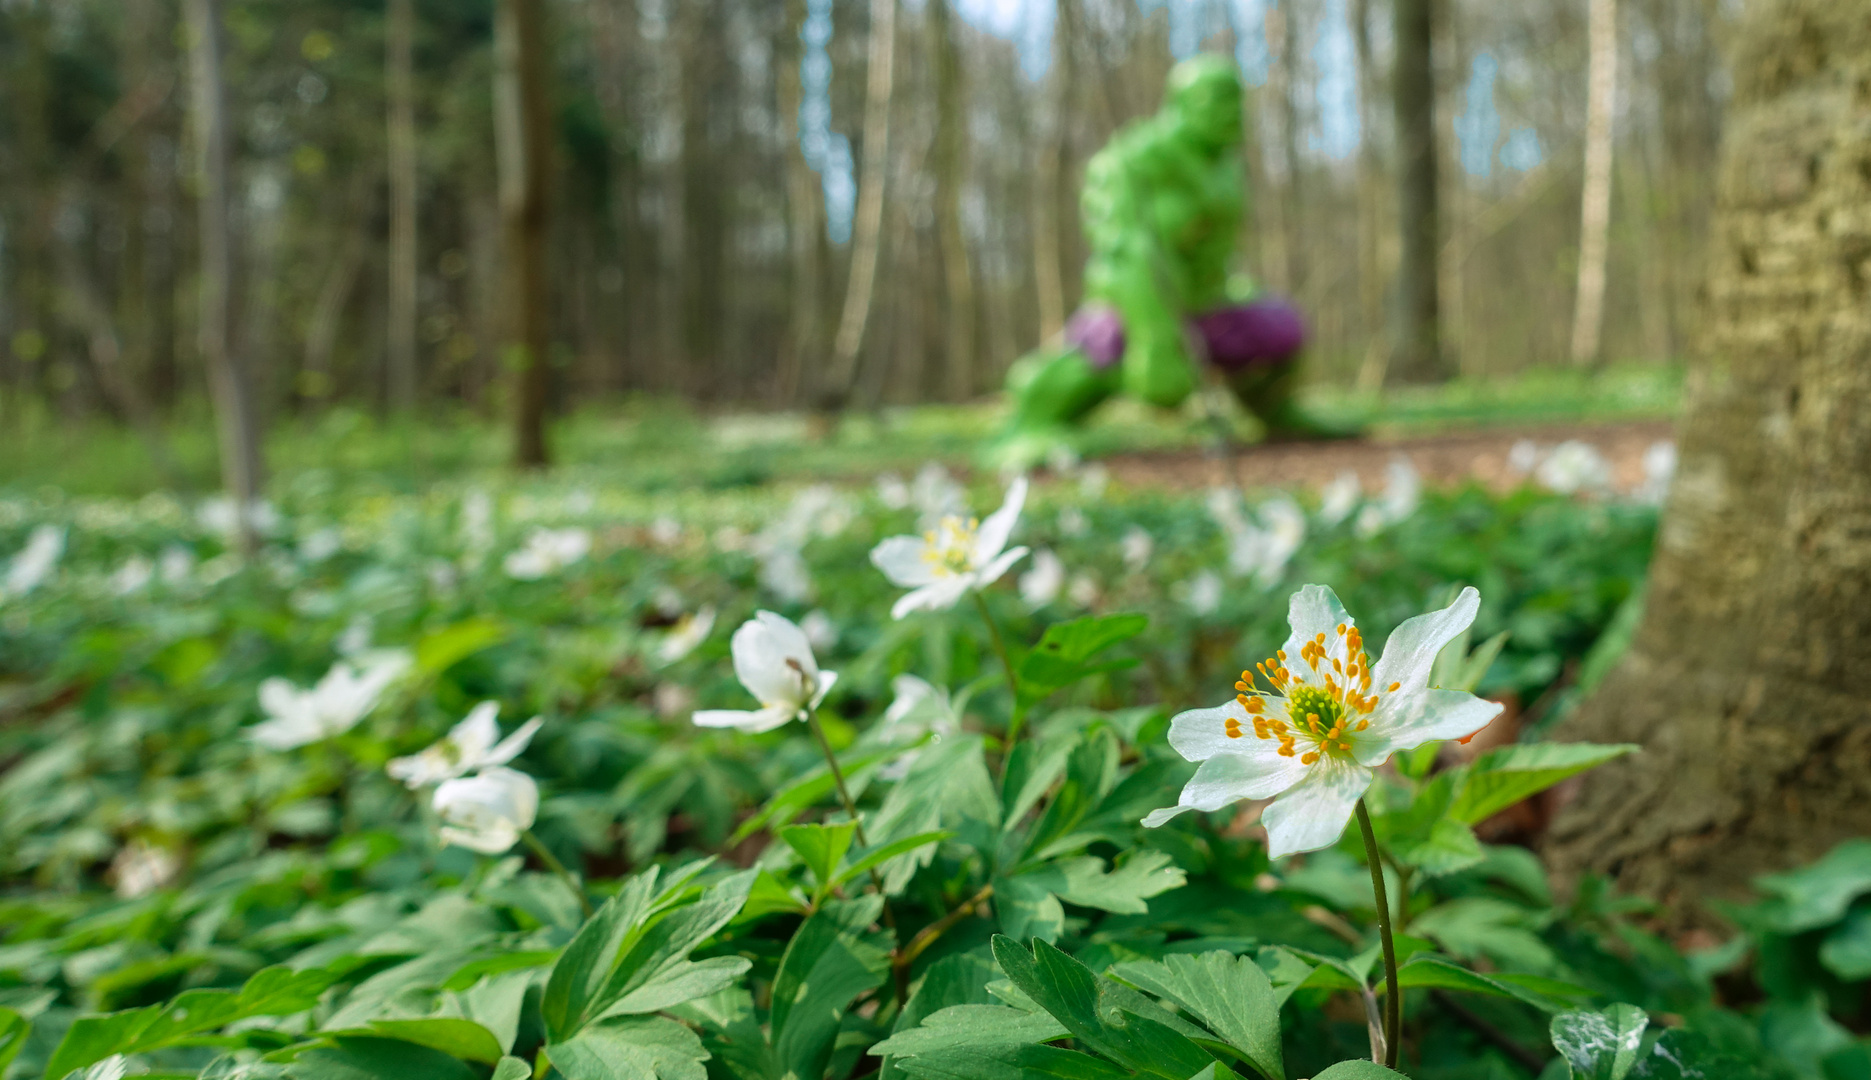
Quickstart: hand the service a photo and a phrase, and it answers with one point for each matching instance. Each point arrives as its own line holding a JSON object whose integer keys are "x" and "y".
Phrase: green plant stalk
{"x": 851, "y": 808}
{"x": 1017, "y": 715}
{"x": 1393, "y": 1002}
{"x": 927, "y": 935}
{"x": 553, "y": 864}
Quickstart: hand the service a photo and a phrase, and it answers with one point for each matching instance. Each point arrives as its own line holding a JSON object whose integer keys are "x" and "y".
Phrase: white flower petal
{"x": 477, "y": 733}
{"x": 1405, "y": 721}
{"x": 995, "y": 531}
{"x": 761, "y": 654}
{"x": 1200, "y": 734}
{"x": 993, "y": 571}
{"x": 285, "y": 733}
{"x": 752, "y": 722}
{"x": 901, "y": 559}
{"x": 1229, "y": 778}
{"x": 936, "y": 597}
{"x": 1314, "y": 610}
{"x": 826, "y": 680}
{"x": 910, "y": 692}
{"x": 1312, "y": 815}
{"x": 1159, "y": 817}
{"x": 509, "y": 748}
{"x": 1413, "y": 646}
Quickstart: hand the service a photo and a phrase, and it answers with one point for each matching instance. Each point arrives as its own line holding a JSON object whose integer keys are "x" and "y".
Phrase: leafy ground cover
{"x": 185, "y": 896}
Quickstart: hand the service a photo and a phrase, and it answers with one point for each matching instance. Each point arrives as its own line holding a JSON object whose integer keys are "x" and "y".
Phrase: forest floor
{"x": 1485, "y": 456}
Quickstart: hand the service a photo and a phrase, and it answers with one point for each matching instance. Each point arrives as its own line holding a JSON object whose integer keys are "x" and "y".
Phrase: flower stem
{"x": 927, "y": 935}
{"x": 1393, "y": 1002}
{"x": 553, "y": 864}
{"x": 1017, "y": 715}
{"x": 851, "y": 808}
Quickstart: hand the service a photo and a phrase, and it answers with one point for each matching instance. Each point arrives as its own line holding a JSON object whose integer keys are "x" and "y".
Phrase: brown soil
{"x": 1444, "y": 459}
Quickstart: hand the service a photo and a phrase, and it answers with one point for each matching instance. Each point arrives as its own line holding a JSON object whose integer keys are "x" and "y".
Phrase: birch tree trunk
{"x": 867, "y": 229}
{"x": 1416, "y": 354}
{"x": 1588, "y": 316}
{"x": 1370, "y": 204}
{"x": 1048, "y": 178}
{"x": 805, "y": 218}
{"x": 951, "y": 166}
{"x": 400, "y": 132}
{"x": 236, "y": 424}
{"x": 1746, "y": 681}
{"x": 522, "y": 143}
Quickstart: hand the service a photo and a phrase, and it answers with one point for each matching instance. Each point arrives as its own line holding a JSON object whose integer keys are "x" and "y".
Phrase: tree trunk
{"x": 1276, "y": 222}
{"x": 1370, "y": 205}
{"x": 805, "y": 218}
{"x": 867, "y": 234}
{"x": 400, "y": 83}
{"x": 1416, "y": 355}
{"x": 951, "y": 166}
{"x": 1746, "y": 680}
{"x": 1588, "y": 317}
{"x": 523, "y": 144}
{"x": 228, "y": 384}
{"x": 1049, "y": 177}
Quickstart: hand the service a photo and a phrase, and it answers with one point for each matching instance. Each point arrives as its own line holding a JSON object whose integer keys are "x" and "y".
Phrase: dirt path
{"x": 1442, "y": 459}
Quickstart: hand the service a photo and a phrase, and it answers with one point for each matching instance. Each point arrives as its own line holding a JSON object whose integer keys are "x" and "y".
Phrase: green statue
{"x": 1162, "y": 209}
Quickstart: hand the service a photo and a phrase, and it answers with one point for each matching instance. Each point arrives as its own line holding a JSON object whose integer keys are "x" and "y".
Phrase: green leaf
{"x": 1847, "y": 949}
{"x": 512, "y": 1068}
{"x": 971, "y": 1026}
{"x": 1500, "y": 778}
{"x": 1025, "y": 1062}
{"x": 462, "y": 1038}
{"x": 1146, "y": 873}
{"x": 1231, "y": 995}
{"x": 1449, "y": 846}
{"x": 631, "y": 1048}
{"x": 1090, "y": 774}
{"x": 443, "y": 649}
{"x": 1440, "y": 973}
{"x": 682, "y": 981}
{"x": 831, "y": 959}
{"x": 1600, "y": 1045}
{"x": 14, "y": 1029}
{"x": 1819, "y": 894}
{"x": 877, "y": 856}
{"x": 1062, "y": 656}
{"x": 821, "y": 848}
{"x": 1358, "y": 1070}
{"x": 814, "y": 787}
{"x": 353, "y": 1058}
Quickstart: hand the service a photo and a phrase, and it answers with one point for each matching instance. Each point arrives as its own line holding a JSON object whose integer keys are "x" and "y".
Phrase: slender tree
{"x": 1049, "y": 179}
{"x": 1370, "y": 204}
{"x": 1746, "y": 680}
{"x": 228, "y": 381}
{"x": 1416, "y": 353}
{"x": 951, "y": 166}
{"x": 1601, "y": 79}
{"x": 805, "y": 216}
{"x": 867, "y": 228}
{"x": 523, "y": 141}
{"x": 400, "y": 84}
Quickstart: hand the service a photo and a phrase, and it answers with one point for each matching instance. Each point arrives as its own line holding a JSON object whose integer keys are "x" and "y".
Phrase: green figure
{"x": 1162, "y": 208}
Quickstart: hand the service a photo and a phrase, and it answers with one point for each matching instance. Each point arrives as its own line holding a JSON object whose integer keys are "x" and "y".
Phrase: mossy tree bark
{"x": 1749, "y": 680}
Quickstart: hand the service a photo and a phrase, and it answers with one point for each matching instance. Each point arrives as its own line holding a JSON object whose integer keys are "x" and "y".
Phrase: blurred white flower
{"x": 36, "y": 561}
{"x": 892, "y": 491}
{"x": 1136, "y": 547}
{"x": 667, "y": 600}
{"x": 952, "y": 559}
{"x": 1092, "y": 481}
{"x": 135, "y": 574}
{"x": 1073, "y": 523}
{"x": 1403, "y": 493}
{"x": 1202, "y": 593}
{"x": 1339, "y": 498}
{"x": 688, "y": 633}
{"x": 1659, "y": 470}
{"x": 1523, "y": 457}
{"x": 1041, "y": 584}
{"x": 579, "y": 502}
{"x": 356, "y": 636}
{"x": 1313, "y": 740}
{"x": 344, "y": 696}
{"x": 774, "y": 661}
{"x": 141, "y": 868}
{"x": 731, "y": 538}
{"x": 916, "y": 709}
{"x": 475, "y": 743}
{"x": 175, "y": 564}
{"x": 673, "y": 700}
{"x": 1083, "y": 590}
{"x": 936, "y": 496}
{"x": 487, "y": 812}
{"x": 442, "y": 575}
{"x": 477, "y": 523}
{"x": 665, "y": 531}
{"x": 220, "y": 514}
{"x": 1574, "y": 467}
{"x": 547, "y": 551}
{"x": 1262, "y": 550}
{"x": 820, "y": 630}
{"x": 321, "y": 545}
{"x": 783, "y": 572}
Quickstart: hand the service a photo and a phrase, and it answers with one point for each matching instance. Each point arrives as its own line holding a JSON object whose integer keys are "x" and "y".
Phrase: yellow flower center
{"x": 949, "y": 547}
{"x": 1325, "y": 710}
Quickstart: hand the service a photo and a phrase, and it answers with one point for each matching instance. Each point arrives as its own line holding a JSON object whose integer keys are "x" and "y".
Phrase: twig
{"x": 927, "y": 935}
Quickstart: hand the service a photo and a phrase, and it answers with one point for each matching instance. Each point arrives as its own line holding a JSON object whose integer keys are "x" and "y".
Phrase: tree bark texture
{"x": 951, "y": 167}
{"x": 805, "y": 217}
{"x": 867, "y": 229}
{"x": 523, "y": 145}
{"x": 228, "y": 382}
{"x": 1747, "y": 681}
{"x": 400, "y": 130}
{"x": 1416, "y": 355}
{"x": 1601, "y": 79}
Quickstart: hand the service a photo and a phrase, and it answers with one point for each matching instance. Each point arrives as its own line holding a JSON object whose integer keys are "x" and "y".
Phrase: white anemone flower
{"x": 343, "y": 697}
{"x": 133, "y": 576}
{"x": 1339, "y": 498}
{"x": 546, "y": 552}
{"x": 1573, "y": 467}
{"x": 1042, "y": 584}
{"x": 917, "y": 708}
{"x": 1328, "y": 719}
{"x": 1202, "y": 593}
{"x": 35, "y": 562}
{"x": 475, "y": 743}
{"x": 1659, "y": 470}
{"x": 952, "y": 559}
{"x": 820, "y": 630}
{"x": 1136, "y": 547}
{"x": 1263, "y": 550}
{"x": 487, "y": 812}
{"x": 689, "y": 632}
{"x": 774, "y": 661}
{"x": 141, "y": 868}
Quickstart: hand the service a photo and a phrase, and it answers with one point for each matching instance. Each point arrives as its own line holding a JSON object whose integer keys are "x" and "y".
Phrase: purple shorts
{"x": 1257, "y": 333}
